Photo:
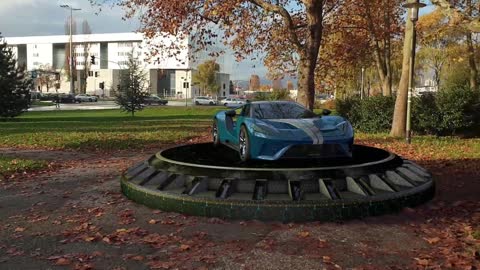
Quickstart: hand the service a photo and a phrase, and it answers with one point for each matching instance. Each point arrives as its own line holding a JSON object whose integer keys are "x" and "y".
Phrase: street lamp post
{"x": 71, "y": 46}
{"x": 413, "y": 8}
{"x": 362, "y": 89}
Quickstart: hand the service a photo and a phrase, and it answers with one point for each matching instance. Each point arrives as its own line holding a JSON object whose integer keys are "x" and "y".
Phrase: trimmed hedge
{"x": 448, "y": 112}
{"x": 371, "y": 115}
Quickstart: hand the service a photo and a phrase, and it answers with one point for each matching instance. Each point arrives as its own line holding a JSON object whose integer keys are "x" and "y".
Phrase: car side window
{"x": 245, "y": 111}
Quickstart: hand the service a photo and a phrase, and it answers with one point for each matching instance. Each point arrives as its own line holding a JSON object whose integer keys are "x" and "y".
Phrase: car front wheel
{"x": 196, "y": 103}
{"x": 244, "y": 144}
{"x": 215, "y": 137}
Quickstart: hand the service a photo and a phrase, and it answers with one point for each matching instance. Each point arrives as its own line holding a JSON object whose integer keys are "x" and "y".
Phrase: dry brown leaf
{"x": 433, "y": 240}
{"x": 184, "y": 247}
{"x": 152, "y": 221}
{"x": 19, "y": 229}
{"x": 304, "y": 234}
{"x": 62, "y": 261}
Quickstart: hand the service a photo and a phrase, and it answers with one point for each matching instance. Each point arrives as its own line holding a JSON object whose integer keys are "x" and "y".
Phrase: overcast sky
{"x": 45, "y": 17}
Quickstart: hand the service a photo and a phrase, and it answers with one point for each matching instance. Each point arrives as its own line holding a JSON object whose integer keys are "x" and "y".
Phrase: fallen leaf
{"x": 304, "y": 234}
{"x": 62, "y": 261}
{"x": 422, "y": 262}
{"x": 433, "y": 240}
{"x": 19, "y": 229}
{"x": 184, "y": 247}
{"x": 152, "y": 221}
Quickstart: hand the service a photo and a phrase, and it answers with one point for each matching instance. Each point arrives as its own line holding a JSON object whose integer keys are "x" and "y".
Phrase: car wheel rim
{"x": 215, "y": 131}
{"x": 243, "y": 145}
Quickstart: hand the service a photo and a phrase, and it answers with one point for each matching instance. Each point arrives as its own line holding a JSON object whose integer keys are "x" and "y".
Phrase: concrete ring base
{"x": 204, "y": 180}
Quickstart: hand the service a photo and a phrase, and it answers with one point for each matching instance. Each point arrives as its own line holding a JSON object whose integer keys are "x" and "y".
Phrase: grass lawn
{"x": 104, "y": 129}
{"x": 11, "y": 165}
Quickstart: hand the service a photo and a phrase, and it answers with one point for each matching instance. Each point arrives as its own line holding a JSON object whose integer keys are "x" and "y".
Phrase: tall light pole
{"x": 413, "y": 8}
{"x": 363, "y": 83}
{"x": 71, "y": 46}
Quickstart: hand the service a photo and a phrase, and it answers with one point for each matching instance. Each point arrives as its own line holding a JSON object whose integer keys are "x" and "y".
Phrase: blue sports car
{"x": 270, "y": 130}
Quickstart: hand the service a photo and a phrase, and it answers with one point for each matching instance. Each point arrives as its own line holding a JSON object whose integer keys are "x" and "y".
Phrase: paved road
{"x": 100, "y": 105}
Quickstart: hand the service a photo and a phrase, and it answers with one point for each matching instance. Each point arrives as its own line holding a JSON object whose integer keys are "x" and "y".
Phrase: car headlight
{"x": 264, "y": 129}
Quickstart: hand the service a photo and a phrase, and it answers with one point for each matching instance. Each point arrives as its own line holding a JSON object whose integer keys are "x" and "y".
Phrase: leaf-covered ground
{"x": 72, "y": 215}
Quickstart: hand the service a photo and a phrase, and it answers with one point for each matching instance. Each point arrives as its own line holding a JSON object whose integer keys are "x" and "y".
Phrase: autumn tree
{"x": 439, "y": 43}
{"x": 369, "y": 28}
{"x": 254, "y": 83}
{"x": 83, "y": 74}
{"x": 290, "y": 85}
{"x": 46, "y": 76}
{"x": 465, "y": 16}
{"x": 206, "y": 77}
{"x": 399, "y": 121}
{"x": 70, "y": 25}
{"x": 247, "y": 26}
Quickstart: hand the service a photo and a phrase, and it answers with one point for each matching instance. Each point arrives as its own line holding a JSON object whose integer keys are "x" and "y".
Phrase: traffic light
{"x": 92, "y": 59}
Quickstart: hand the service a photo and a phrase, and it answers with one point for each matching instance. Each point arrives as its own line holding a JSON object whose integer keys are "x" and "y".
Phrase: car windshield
{"x": 281, "y": 110}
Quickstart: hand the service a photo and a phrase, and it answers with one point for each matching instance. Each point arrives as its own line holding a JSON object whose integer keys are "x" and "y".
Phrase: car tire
{"x": 196, "y": 103}
{"x": 225, "y": 104}
{"x": 244, "y": 144}
{"x": 215, "y": 135}
{"x": 210, "y": 103}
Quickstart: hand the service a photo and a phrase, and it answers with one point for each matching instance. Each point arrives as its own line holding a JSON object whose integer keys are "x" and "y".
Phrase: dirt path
{"x": 76, "y": 218}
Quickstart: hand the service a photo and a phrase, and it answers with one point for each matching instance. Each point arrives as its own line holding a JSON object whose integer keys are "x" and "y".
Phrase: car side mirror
{"x": 231, "y": 113}
{"x": 326, "y": 112}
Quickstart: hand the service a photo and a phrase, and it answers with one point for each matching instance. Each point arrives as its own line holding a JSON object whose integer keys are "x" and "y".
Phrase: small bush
{"x": 372, "y": 114}
{"x": 425, "y": 117}
{"x": 450, "y": 111}
{"x": 349, "y": 108}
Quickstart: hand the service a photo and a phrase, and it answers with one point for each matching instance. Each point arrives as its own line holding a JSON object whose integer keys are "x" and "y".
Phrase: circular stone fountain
{"x": 203, "y": 180}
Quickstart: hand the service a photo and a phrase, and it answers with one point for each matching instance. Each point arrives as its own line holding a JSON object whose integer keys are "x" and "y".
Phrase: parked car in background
{"x": 86, "y": 98}
{"x": 155, "y": 100}
{"x": 204, "y": 101}
{"x": 233, "y": 102}
{"x": 67, "y": 98}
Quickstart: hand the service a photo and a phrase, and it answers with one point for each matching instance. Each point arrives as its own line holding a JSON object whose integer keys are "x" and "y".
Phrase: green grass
{"x": 11, "y": 165}
{"x": 104, "y": 129}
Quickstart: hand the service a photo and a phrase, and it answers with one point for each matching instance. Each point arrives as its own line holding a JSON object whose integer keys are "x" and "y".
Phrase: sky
{"x": 45, "y": 17}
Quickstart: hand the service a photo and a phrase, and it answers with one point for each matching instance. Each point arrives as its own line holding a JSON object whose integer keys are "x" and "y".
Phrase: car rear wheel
{"x": 244, "y": 144}
{"x": 216, "y": 139}
{"x": 211, "y": 103}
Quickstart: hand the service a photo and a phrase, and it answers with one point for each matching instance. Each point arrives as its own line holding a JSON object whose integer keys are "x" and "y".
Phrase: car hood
{"x": 308, "y": 128}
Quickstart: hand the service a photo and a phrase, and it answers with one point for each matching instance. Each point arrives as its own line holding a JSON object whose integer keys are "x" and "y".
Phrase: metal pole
{"x": 363, "y": 79}
{"x": 411, "y": 82}
{"x": 71, "y": 52}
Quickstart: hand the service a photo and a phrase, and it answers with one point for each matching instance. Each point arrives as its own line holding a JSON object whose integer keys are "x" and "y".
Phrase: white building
{"x": 166, "y": 72}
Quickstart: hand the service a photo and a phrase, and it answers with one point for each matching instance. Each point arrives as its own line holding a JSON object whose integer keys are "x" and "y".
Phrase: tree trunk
{"x": 471, "y": 62}
{"x": 306, "y": 83}
{"x": 309, "y": 56}
{"x": 471, "y": 51}
{"x": 400, "y": 114}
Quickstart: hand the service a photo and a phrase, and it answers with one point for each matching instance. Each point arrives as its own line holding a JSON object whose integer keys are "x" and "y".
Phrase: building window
{"x": 125, "y": 44}
{"x": 224, "y": 86}
{"x": 35, "y": 54}
{"x": 90, "y": 73}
